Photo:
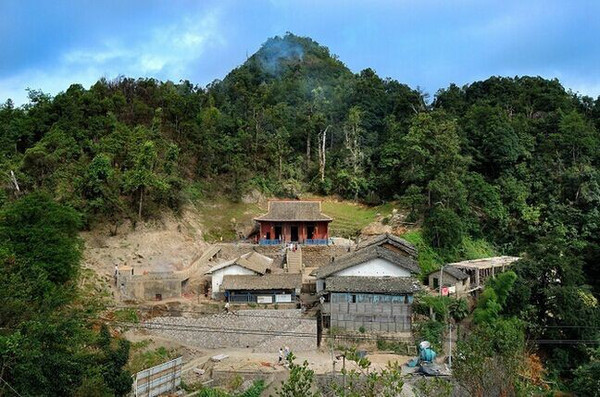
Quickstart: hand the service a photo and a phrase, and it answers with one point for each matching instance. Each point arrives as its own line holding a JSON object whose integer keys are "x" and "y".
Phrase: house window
{"x": 353, "y": 298}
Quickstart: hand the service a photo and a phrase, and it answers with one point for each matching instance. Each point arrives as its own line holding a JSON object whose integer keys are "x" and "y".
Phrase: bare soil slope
{"x": 158, "y": 245}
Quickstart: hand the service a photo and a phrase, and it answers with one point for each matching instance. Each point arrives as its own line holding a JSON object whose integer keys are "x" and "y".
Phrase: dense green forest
{"x": 514, "y": 161}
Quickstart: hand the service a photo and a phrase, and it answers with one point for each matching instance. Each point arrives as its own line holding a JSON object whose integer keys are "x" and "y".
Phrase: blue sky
{"x": 49, "y": 45}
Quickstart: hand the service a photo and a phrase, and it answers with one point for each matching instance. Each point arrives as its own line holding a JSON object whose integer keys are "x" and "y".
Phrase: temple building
{"x": 293, "y": 221}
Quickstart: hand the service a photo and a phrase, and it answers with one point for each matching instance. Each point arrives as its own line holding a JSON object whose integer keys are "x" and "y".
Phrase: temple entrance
{"x": 294, "y": 233}
{"x": 277, "y": 232}
{"x": 310, "y": 232}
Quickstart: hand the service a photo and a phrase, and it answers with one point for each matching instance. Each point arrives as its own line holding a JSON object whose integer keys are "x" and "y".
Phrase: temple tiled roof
{"x": 309, "y": 211}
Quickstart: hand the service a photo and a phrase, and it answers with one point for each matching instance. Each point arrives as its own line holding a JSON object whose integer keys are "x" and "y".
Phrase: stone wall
{"x": 312, "y": 255}
{"x": 377, "y": 317}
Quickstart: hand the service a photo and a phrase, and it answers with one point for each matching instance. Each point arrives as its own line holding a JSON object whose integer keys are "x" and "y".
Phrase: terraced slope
{"x": 349, "y": 218}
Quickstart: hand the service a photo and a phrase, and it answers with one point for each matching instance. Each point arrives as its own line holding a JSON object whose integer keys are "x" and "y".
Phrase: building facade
{"x": 293, "y": 221}
{"x": 379, "y": 304}
{"x": 270, "y": 288}
{"x": 372, "y": 288}
{"x": 455, "y": 280}
{"x": 251, "y": 263}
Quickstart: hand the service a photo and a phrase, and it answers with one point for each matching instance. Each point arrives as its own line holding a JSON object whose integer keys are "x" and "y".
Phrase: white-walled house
{"x": 371, "y": 288}
{"x": 372, "y": 261}
{"x": 251, "y": 263}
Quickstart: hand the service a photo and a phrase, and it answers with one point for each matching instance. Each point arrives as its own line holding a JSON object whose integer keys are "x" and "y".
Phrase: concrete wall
{"x": 320, "y": 285}
{"x": 144, "y": 287}
{"x": 449, "y": 280}
{"x": 165, "y": 288}
{"x": 376, "y": 317}
{"x": 217, "y": 277}
{"x": 375, "y": 268}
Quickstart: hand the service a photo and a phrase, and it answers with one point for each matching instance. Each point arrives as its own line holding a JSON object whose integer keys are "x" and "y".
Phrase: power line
{"x": 237, "y": 313}
{"x": 568, "y": 326}
{"x": 262, "y": 332}
{"x": 567, "y": 342}
{"x": 11, "y": 388}
{"x": 240, "y": 331}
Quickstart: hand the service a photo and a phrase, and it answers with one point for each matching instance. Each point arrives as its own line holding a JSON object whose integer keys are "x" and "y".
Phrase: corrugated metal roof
{"x": 486, "y": 263}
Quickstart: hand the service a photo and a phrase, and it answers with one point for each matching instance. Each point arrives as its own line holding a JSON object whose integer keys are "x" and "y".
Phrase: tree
{"x": 46, "y": 344}
{"x": 43, "y": 236}
{"x": 443, "y": 228}
{"x": 144, "y": 174}
{"x": 299, "y": 382}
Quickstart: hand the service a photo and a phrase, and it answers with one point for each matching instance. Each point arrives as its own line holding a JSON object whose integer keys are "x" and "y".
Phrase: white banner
{"x": 287, "y": 298}
{"x": 264, "y": 299}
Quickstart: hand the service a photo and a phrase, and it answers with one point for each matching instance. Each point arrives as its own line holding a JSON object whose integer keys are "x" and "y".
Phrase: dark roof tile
{"x": 294, "y": 211}
{"x": 364, "y": 255}
{"x": 391, "y": 239}
{"x": 266, "y": 282}
{"x": 375, "y": 285}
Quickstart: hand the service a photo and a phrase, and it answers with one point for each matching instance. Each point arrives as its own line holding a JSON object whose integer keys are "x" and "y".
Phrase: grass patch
{"x": 397, "y": 347}
{"x": 350, "y": 218}
{"x": 127, "y": 315}
{"x": 221, "y": 218}
{"x": 475, "y": 249}
{"x": 145, "y": 359}
{"x": 431, "y": 259}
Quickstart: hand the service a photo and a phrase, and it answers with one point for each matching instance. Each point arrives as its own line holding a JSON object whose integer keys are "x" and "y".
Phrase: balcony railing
{"x": 264, "y": 241}
{"x": 316, "y": 241}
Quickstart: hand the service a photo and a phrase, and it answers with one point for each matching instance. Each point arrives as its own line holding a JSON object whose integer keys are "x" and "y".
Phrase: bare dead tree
{"x": 322, "y": 152}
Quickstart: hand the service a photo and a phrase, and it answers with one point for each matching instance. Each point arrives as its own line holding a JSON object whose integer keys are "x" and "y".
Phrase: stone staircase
{"x": 293, "y": 259}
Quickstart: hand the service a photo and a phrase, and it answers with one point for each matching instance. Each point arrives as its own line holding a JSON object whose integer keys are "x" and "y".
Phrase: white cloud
{"x": 166, "y": 52}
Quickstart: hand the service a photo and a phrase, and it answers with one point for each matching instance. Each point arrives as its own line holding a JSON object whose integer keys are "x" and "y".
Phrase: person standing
{"x": 280, "y": 356}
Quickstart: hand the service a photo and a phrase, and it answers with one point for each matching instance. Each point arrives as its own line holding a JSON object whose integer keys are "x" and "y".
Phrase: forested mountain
{"x": 511, "y": 160}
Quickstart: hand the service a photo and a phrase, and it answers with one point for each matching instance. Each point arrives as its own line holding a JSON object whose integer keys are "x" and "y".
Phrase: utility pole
{"x": 450, "y": 345}
{"x": 441, "y": 278}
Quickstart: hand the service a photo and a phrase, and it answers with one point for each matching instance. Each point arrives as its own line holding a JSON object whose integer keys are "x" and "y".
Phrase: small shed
{"x": 251, "y": 263}
{"x": 293, "y": 221}
{"x": 454, "y": 278}
{"x": 269, "y": 288}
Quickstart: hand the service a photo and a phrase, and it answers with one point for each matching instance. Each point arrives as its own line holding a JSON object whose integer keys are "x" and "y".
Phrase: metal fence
{"x": 159, "y": 379}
